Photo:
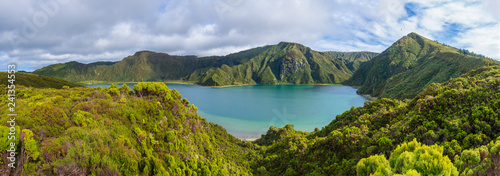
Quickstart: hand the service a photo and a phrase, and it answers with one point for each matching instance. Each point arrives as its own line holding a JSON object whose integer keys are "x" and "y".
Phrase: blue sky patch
{"x": 451, "y": 30}
{"x": 410, "y": 9}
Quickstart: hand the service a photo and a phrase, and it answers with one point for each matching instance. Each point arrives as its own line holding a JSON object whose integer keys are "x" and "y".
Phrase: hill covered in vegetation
{"x": 272, "y": 64}
{"x": 283, "y": 63}
{"x": 443, "y": 118}
{"x": 400, "y": 72}
{"x": 36, "y": 81}
{"x": 449, "y": 128}
{"x": 150, "y": 130}
{"x": 411, "y": 64}
{"x": 353, "y": 59}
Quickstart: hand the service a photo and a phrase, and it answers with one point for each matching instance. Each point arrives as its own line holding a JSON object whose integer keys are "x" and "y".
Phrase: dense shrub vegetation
{"x": 455, "y": 119}
{"x": 83, "y": 131}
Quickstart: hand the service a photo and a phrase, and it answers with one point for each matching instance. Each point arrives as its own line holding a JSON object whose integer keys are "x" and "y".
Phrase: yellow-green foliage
{"x": 409, "y": 159}
{"x": 426, "y": 160}
{"x": 31, "y": 144}
{"x": 124, "y": 89}
{"x": 483, "y": 160}
{"x": 89, "y": 131}
{"x": 375, "y": 164}
{"x": 4, "y": 138}
{"x": 83, "y": 119}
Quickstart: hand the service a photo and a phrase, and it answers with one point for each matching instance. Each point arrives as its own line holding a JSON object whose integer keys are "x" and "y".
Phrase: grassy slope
{"x": 32, "y": 80}
{"x": 411, "y": 64}
{"x": 458, "y": 115}
{"x": 82, "y": 131}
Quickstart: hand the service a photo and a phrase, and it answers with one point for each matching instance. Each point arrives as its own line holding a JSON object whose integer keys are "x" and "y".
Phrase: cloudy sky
{"x": 37, "y": 33}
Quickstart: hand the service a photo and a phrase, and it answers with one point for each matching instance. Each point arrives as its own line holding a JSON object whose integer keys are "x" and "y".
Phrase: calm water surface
{"x": 249, "y": 111}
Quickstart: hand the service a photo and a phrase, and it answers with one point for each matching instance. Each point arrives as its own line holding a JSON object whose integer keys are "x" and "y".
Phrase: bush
{"x": 30, "y": 144}
{"x": 410, "y": 158}
{"x": 375, "y": 164}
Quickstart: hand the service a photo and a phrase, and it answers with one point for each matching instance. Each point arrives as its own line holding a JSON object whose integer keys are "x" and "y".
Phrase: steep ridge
{"x": 272, "y": 64}
{"x": 409, "y": 65}
{"x": 142, "y": 66}
{"x": 282, "y": 63}
{"x": 353, "y": 59}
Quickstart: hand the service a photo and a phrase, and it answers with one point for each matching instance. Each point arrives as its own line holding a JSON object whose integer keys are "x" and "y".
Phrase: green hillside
{"x": 36, "y": 81}
{"x": 282, "y": 63}
{"x": 272, "y": 64}
{"x": 443, "y": 118}
{"x": 411, "y": 64}
{"x": 117, "y": 131}
{"x": 353, "y": 59}
{"x": 458, "y": 119}
{"x": 450, "y": 128}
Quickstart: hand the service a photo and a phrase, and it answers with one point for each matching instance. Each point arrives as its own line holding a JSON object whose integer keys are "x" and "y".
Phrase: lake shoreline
{"x": 369, "y": 97}
{"x": 194, "y": 83}
{"x": 248, "y": 111}
{"x": 248, "y": 139}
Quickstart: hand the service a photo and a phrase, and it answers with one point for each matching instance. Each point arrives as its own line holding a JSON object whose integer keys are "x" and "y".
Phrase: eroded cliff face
{"x": 290, "y": 66}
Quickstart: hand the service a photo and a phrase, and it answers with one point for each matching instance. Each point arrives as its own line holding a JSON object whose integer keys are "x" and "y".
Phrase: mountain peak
{"x": 287, "y": 43}
{"x": 411, "y": 59}
{"x": 290, "y": 44}
{"x": 411, "y": 34}
{"x": 138, "y": 53}
{"x": 414, "y": 35}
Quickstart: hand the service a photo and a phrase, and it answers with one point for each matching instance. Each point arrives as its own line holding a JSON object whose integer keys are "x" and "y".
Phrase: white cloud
{"x": 475, "y": 28}
{"x": 4, "y": 57}
{"x": 90, "y": 31}
{"x": 483, "y": 40}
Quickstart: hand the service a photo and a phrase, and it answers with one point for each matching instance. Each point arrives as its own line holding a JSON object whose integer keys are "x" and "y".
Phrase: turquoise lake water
{"x": 249, "y": 111}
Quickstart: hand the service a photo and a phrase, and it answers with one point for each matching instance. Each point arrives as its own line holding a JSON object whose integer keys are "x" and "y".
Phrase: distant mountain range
{"x": 401, "y": 71}
{"x": 272, "y": 64}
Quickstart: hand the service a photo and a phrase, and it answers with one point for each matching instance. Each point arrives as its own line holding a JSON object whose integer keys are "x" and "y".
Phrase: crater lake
{"x": 248, "y": 111}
